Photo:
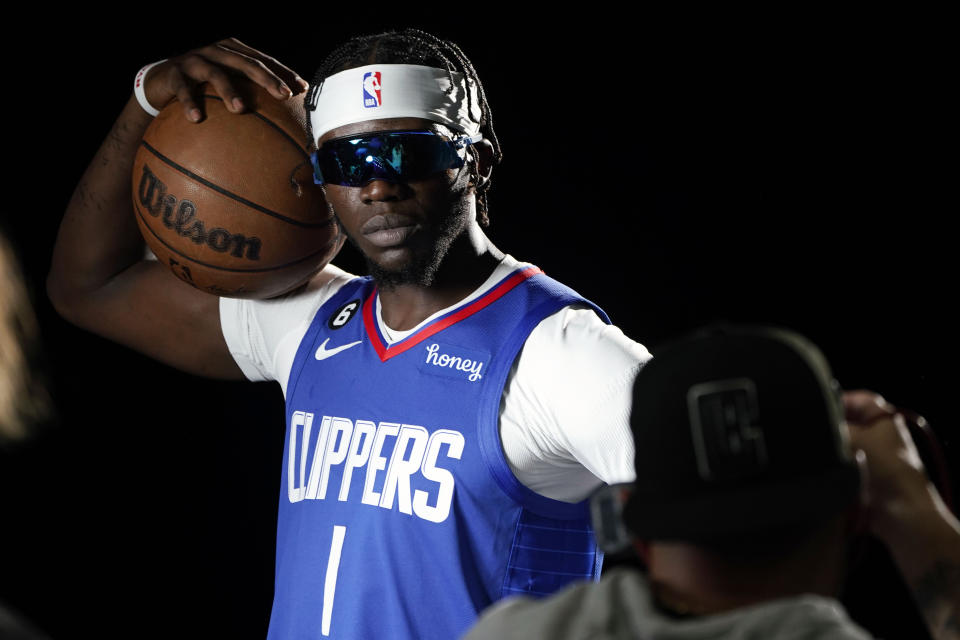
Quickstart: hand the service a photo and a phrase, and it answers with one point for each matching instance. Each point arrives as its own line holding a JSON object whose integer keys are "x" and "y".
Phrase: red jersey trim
{"x": 482, "y": 302}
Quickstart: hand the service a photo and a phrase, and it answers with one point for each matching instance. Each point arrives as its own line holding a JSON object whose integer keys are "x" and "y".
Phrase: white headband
{"x": 396, "y": 91}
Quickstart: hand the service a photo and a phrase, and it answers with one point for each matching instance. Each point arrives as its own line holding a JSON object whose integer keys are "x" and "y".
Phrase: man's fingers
{"x": 258, "y": 67}
{"x": 864, "y": 407}
{"x": 224, "y": 88}
{"x": 220, "y": 65}
{"x": 214, "y": 69}
{"x": 285, "y": 73}
{"x": 193, "y": 70}
{"x": 184, "y": 93}
{"x": 252, "y": 68}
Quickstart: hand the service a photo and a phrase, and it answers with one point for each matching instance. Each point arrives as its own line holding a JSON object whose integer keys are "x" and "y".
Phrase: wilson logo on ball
{"x": 181, "y": 217}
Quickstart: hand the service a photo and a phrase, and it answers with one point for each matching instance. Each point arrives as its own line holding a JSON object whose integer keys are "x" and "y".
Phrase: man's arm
{"x": 565, "y": 423}
{"x": 906, "y": 512}
{"x": 99, "y": 279}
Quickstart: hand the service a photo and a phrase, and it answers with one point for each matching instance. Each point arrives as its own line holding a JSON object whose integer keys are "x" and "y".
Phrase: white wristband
{"x": 138, "y": 88}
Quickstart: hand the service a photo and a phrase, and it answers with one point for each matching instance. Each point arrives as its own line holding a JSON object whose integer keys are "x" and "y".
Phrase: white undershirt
{"x": 565, "y": 410}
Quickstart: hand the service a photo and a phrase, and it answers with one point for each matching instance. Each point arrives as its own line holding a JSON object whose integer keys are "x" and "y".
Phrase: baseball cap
{"x": 737, "y": 429}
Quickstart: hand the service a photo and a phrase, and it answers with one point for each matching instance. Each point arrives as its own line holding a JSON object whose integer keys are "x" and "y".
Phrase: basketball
{"x": 229, "y": 203}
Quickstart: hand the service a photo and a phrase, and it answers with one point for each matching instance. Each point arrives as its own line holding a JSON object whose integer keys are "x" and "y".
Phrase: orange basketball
{"x": 229, "y": 203}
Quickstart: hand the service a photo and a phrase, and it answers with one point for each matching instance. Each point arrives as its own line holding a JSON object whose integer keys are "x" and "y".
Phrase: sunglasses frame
{"x": 456, "y": 144}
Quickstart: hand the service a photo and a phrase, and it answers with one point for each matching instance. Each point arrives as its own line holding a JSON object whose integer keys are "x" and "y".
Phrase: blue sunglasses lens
{"x": 391, "y": 156}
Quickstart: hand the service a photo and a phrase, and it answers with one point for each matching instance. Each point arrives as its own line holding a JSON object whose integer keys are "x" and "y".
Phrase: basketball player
{"x": 759, "y": 495}
{"x": 447, "y": 417}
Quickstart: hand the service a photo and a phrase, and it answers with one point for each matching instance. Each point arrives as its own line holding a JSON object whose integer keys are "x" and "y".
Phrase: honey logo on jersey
{"x": 452, "y": 361}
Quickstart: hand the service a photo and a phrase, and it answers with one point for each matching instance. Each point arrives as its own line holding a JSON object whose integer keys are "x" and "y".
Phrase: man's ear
{"x": 482, "y": 153}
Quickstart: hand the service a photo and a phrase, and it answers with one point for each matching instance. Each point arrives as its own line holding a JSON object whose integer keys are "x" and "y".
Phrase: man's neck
{"x": 689, "y": 581}
{"x": 468, "y": 263}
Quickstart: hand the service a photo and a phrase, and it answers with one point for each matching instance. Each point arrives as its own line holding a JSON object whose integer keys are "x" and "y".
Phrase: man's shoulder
{"x": 323, "y": 286}
{"x": 620, "y": 605}
{"x": 546, "y": 284}
{"x": 311, "y": 294}
{"x": 263, "y": 335}
{"x": 582, "y": 610}
{"x": 579, "y": 340}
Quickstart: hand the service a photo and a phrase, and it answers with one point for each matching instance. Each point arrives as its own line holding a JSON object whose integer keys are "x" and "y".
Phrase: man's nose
{"x": 380, "y": 190}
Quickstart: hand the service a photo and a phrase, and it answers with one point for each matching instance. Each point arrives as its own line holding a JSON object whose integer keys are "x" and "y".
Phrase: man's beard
{"x": 420, "y": 271}
{"x": 423, "y": 267}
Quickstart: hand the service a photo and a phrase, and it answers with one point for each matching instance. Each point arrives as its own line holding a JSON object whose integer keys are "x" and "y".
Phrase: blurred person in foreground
{"x": 23, "y": 397}
{"x": 753, "y": 475}
{"x": 24, "y": 402}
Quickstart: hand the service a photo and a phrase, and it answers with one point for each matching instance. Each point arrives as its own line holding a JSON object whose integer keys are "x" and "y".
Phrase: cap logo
{"x": 371, "y": 89}
{"x": 727, "y": 437}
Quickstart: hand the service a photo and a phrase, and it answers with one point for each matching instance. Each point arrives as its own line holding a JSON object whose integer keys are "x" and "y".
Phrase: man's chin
{"x": 418, "y": 271}
{"x": 414, "y": 263}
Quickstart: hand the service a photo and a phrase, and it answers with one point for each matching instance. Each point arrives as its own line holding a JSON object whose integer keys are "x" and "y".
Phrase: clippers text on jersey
{"x": 359, "y": 452}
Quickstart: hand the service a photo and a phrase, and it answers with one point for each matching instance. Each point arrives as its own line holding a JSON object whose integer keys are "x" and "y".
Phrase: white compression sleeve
{"x": 565, "y": 411}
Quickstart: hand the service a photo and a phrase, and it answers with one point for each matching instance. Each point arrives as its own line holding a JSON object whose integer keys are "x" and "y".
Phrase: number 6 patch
{"x": 342, "y": 316}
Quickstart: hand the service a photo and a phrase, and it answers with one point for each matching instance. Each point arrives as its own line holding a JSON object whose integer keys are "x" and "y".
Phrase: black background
{"x": 788, "y": 169}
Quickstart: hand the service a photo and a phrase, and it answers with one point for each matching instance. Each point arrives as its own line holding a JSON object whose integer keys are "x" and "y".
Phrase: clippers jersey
{"x": 399, "y": 516}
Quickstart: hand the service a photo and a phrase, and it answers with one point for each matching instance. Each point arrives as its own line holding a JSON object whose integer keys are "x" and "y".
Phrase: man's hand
{"x": 897, "y": 484}
{"x": 905, "y": 511}
{"x": 219, "y": 64}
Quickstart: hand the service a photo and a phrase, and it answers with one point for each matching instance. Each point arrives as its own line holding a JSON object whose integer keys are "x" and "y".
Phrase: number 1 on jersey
{"x": 330, "y": 583}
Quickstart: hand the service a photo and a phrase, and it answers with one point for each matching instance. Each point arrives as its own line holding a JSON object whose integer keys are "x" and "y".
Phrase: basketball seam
{"x": 233, "y": 196}
{"x": 213, "y": 266}
{"x": 273, "y": 124}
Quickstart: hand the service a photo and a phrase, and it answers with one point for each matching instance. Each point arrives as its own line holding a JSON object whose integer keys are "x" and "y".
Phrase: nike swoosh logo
{"x": 323, "y": 353}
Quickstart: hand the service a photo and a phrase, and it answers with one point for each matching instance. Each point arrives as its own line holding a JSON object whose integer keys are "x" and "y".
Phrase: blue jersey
{"x": 399, "y": 517}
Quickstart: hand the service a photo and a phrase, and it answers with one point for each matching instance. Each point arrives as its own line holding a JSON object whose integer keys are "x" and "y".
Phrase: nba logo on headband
{"x": 371, "y": 89}
{"x": 416, "y": 91}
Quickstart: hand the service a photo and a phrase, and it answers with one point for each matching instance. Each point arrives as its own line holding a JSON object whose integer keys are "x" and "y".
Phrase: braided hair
{"x": 413, "y": 46}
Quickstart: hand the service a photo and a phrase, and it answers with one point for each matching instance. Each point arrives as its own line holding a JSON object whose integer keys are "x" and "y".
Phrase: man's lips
{"x": 388, "y": 230}
{"x": 387, "y": 221}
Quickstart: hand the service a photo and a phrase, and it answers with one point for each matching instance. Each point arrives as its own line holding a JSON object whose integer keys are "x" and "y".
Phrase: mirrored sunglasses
{"x": 395, "y": 156}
